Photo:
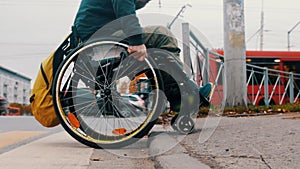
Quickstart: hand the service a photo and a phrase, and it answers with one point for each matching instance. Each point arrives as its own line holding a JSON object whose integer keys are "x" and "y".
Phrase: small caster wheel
{"x": 185, "y": 124}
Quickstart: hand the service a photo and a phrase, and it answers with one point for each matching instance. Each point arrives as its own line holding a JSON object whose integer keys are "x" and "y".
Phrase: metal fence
{"x": 269, "y": 86}
{"x": 265, "y": 86}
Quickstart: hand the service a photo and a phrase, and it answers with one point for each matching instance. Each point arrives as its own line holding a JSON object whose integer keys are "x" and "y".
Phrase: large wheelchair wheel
{"x": 93, "y": 91}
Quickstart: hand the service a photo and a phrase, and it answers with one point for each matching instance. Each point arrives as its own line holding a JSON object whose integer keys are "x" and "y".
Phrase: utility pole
{"x": 234, "y": 54}
{"x": 262, "y": 26}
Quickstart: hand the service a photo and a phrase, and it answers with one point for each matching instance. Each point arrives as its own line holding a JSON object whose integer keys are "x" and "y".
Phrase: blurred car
{"x": 3, "y": 106}
{"x": 135, "y": 100}
{"x": 143, "y": 95}
{"x": 13, "y": 111}
{"x": 124, "y": 106}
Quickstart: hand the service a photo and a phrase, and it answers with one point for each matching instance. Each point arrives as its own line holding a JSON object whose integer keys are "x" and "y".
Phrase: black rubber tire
{"x": 88, "y": 138}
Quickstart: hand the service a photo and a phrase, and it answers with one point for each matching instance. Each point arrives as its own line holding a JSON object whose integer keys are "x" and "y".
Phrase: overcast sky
{"x": 31, "y": 29}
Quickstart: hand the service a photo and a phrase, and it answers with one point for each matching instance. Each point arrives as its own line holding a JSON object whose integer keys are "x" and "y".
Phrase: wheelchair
{"x": 89, "y": 95}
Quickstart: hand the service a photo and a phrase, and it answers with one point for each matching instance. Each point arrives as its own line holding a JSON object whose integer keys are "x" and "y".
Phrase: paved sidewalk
{"x": 255, "y": 142}
{"x": 52, "y": 152}
{"x": 59, "y": 150}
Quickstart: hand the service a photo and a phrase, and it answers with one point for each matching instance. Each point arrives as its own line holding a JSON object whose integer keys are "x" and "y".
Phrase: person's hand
{"x": 138, "y": 52}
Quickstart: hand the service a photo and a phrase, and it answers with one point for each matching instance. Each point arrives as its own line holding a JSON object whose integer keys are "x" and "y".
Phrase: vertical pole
{"x": 262, "y": 26}
{"x": 186, "y": 45}
{"x": 235, "y": 53}
{"x": 291, "y": 87}
{"x": 288, "y": 39}
{"x": 207, "y": 66}
{"x": 266, "y": 87}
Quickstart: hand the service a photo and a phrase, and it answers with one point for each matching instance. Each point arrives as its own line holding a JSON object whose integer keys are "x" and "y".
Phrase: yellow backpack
{"x": 41, "y": 94}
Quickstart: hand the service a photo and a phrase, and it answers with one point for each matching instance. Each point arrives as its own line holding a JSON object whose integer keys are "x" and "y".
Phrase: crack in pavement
{"x": 263, "y": 160}
{"x": 208, "y": 159}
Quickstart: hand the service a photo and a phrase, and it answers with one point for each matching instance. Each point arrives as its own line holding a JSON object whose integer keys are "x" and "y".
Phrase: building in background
{"x": 14, "y": 87}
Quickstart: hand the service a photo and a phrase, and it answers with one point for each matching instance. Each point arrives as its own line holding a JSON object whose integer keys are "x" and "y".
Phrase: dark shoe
{"x": 206, "y": 90}
{"x": 205, "y": 94}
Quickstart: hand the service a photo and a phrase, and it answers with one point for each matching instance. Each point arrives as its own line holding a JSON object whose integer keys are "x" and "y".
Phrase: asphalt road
{"x": 20, "y": 123}
{"x": 16, "y": 131}
{"x": 265, "y": 142}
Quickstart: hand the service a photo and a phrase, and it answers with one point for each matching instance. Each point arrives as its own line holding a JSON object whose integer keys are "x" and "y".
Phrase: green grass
{"x": 273, "y": 109}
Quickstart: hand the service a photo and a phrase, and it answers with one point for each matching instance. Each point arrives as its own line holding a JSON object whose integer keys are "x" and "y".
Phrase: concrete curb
{"x": 167, "y": 153}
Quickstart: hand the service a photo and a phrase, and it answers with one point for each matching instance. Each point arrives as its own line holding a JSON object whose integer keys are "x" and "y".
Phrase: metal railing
{"x": 265, "y": 86}
{"x": 269, "y": 86}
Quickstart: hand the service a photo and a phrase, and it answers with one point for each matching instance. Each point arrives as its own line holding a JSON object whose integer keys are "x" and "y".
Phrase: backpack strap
{"x": 63, "y": 49}
{"x": 75, "y": 39}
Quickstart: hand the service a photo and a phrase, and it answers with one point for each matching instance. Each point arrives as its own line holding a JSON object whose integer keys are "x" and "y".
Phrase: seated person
{"x": 96, "y": 14}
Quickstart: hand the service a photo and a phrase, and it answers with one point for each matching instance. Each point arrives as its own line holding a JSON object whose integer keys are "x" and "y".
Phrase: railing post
{"x": 186, "y": 45}
{"x": 207, "y": 67}
{"x": 266, "y": 87}
{"x": 291, "y": 76}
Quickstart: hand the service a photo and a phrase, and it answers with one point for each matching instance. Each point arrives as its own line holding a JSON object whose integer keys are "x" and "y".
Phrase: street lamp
{"x": 288, "y": 34}
{"x": 179, "y": 13}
